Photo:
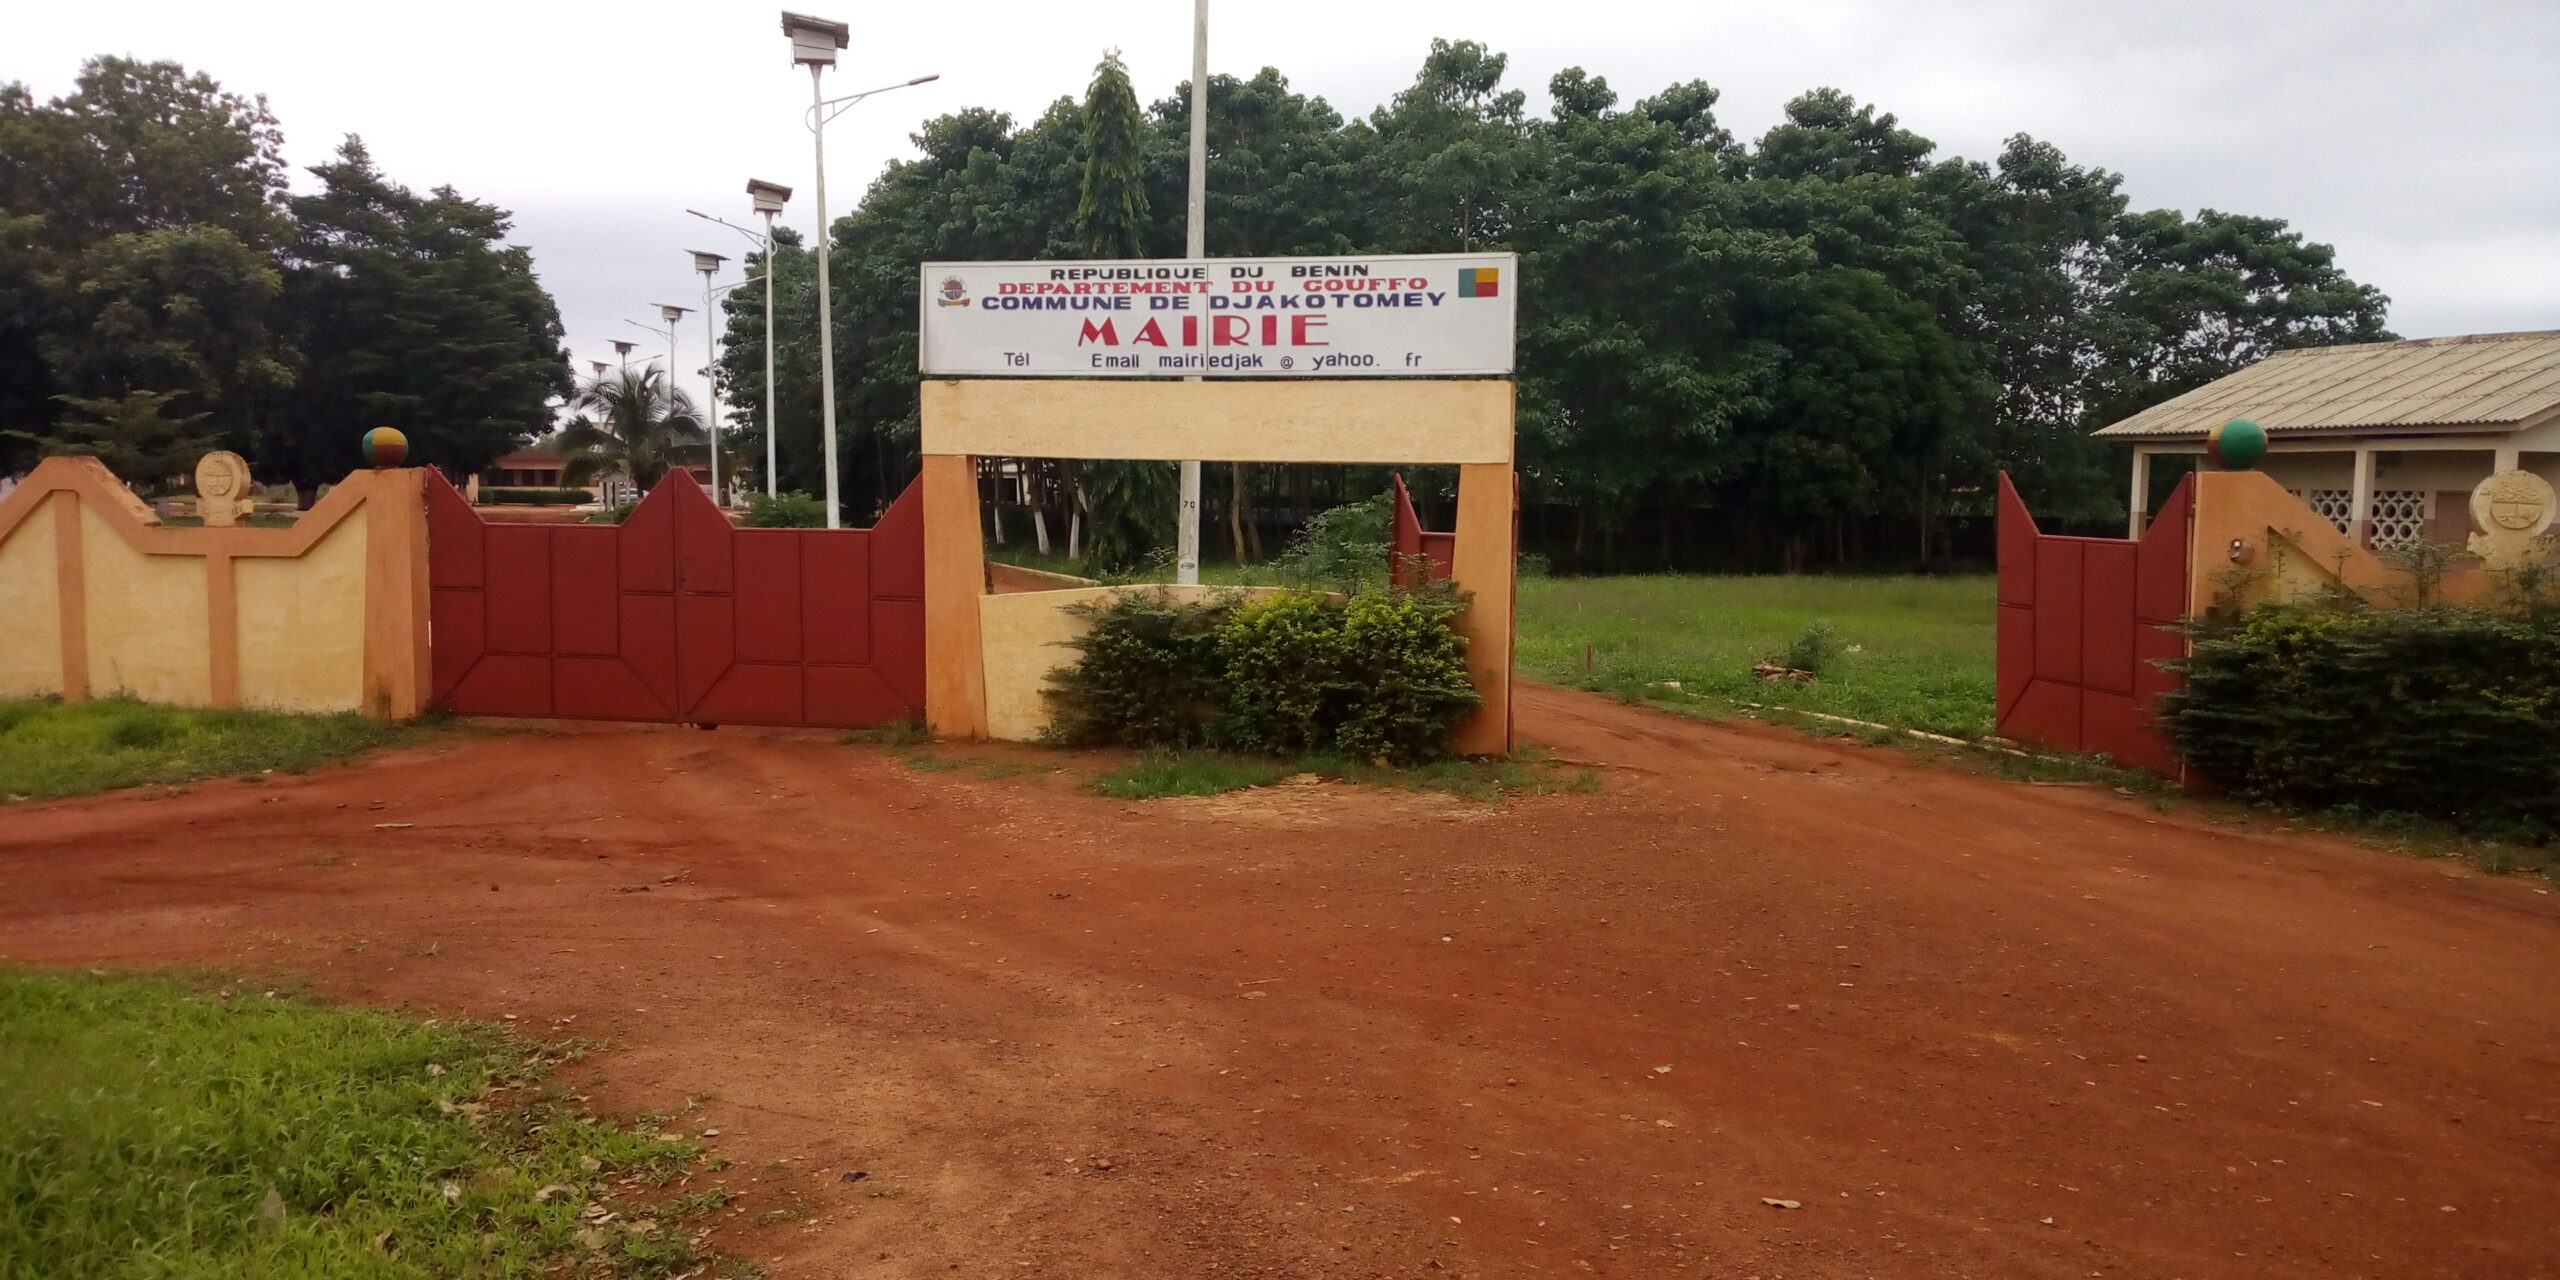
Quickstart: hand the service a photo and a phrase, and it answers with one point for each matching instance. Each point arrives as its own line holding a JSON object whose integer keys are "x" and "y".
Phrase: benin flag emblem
{"x": 1480, "y": 282}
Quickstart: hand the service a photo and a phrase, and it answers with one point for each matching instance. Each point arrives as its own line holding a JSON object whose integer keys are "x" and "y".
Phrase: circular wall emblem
{"x": 2517, "y": 502}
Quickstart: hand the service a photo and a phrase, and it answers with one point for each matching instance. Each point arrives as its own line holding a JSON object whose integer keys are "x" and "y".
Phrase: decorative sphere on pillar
{"x": 385, "y": 447}
{"x": 2236, "y": 445}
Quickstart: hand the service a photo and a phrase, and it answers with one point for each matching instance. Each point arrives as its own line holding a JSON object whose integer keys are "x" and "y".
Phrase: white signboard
{"x": 1362, "y": 317}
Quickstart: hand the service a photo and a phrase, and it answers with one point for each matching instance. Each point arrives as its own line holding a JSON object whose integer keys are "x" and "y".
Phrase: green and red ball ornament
{"x": 2237, "y": 445}
{"x": 386, "y": 447}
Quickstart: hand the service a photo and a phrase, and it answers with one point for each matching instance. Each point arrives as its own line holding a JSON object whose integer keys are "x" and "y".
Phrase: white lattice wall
{"x": 2399, "y": 516}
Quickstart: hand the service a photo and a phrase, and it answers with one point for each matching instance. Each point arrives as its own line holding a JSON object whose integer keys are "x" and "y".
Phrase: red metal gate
{"x": 2084, "y": 624}
{"x": 676, "y": 615}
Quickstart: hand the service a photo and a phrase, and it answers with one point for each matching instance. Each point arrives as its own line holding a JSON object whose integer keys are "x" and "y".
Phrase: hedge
{"x": 534, "y": 497}
{"x": 2448, "y": 713}
{"x": 1377, "y": 675}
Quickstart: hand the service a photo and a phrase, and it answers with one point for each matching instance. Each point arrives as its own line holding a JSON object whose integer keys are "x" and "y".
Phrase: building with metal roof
{"x": 2385, "y": 439}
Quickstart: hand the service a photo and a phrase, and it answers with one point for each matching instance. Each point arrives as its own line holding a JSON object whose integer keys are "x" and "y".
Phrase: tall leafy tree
{"x": 138, "y": 219}
{"x": 1448, "y": 149}
{"x": 1111, "y": 200}
{"x": 411, "y": 312}
{"x": 1123, "y": 504}
{"x": 1769, "y": 354}
{"x": 2187, "y": 300}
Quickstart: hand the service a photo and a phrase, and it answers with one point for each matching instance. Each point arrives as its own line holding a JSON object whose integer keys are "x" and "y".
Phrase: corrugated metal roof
{"x": 2487, "y": 382}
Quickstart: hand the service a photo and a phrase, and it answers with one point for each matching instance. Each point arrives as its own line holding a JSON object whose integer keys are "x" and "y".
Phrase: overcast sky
{"x": 2423, "y": 140}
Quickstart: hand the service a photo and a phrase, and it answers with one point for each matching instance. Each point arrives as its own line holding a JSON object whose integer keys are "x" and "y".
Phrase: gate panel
{"x": 770, "y": 589}
{"x": 584, "y": 607}
{"x": 519, "y": 588}
{"x": 835, "y": 586}
{"x": 675, "y": 615}
{"x": 2082, "y": 630}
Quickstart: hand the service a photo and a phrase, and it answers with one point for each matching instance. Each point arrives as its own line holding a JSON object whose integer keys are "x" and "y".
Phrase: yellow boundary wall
{"x": 986, "y": 656}
{"x": 98, "y": 597}
{"x": 2253, "y": 542}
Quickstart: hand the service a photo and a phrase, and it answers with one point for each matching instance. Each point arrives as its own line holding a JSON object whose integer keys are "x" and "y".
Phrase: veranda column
{"x": 2360, "y": 497}
{"x": 2137, "y": 506}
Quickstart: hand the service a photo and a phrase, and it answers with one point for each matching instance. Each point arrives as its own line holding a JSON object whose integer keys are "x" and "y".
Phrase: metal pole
{"x": 673, "y": 324}
{"x": 770, "y": 467}
{"x": 826, "y": 310}
{"x": 711, "y": 385}
{"x": 1196, "y": 246}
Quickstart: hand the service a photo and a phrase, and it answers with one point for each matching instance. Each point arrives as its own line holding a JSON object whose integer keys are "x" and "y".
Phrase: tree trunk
{"x": 1235, "y": 510}
{"x": 1040, "y": 529}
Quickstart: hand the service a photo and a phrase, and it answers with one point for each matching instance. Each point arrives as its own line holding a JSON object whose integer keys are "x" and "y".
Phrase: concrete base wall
{"x": 98, "y": 597}
{"x": 1024, "y": 637}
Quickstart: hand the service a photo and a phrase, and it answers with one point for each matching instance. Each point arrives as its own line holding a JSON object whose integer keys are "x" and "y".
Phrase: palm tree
{"x": 633, "y": 423}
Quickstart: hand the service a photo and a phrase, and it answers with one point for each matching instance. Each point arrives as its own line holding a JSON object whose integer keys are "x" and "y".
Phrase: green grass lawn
{"x": 50, "y": 748}
{"x": 152, "y": 1126}
{"x": 1923, "y": 656}
{"x": 1921, "y": 647}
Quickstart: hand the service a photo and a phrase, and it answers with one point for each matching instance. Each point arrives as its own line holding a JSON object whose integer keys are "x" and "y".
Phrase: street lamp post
{"x": 769, "y": 198}
{"x": 1186, "y": 537}
{"x": 709, "y": 264}
{"x": 814, "y": 42}
{"x": 622, "y": 350}
{"x": 670, "y": 313}
{"x": 668, "y": 333}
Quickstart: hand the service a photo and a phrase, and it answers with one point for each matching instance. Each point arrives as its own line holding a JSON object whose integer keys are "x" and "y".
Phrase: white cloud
{"x": 2422, "y": 141}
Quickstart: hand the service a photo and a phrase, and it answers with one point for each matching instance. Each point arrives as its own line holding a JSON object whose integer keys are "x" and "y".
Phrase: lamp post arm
{"x": 816, "y": 121}
{"x": 762, "y": 240}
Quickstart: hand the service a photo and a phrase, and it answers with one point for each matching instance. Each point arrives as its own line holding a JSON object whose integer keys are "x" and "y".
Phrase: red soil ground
{"x": 1972, "y": 1027}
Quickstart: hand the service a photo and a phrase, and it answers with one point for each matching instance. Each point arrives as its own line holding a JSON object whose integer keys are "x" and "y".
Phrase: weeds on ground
{"x": 2428, "y": 838}
{"x": 51, "y": 748}
{"x": 897, "y": 733}
{"x": 990, "y": 769}
{"x": 1158, "y": 774}
{"x": 1201, "y": 773}
{"x": 161, "y": 1125}
{"x": 926, "y": 761}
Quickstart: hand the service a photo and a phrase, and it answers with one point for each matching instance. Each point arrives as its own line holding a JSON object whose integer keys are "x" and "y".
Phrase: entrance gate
{"x": 675, "y": 615}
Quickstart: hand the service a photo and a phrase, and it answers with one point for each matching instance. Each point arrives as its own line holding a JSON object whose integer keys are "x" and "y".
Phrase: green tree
{"x": 1111, "y": 201}
{"x": 2187, "y": 300}
{"x": 1450, "y": 145}
{"x": 137, "y": 215}
{"x": 411, "y": 312}
{"x": 188, "y": 311}
{"x": 1754, "y": 355}
{"x": 137, "y": 434}
{"x": 1123, "y": 504}
{"x": 1635, "y": 363}
{"x": 631, "y": 423}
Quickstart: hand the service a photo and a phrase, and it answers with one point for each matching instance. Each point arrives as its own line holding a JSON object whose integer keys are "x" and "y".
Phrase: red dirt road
{"x": 1974, "y": 1028}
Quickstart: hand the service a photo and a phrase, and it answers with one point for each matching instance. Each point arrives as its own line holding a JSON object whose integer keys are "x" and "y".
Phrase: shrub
{"x": 1344, "y": 548}
{"x": 1407, "y": 666}
{"x": 492, "y": 497}
{"x": 1148, "y": 674}
{"x": 1380, "y": 675}
{"x": 2441, "y": 712}
{"x": 1282, "y": 668}
{"x": 615, "y": 514}
{"x": 793, "y": 510}
{"x": 1814, "y": 649}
